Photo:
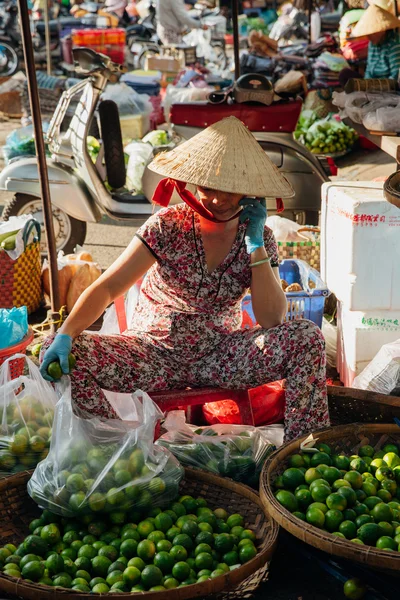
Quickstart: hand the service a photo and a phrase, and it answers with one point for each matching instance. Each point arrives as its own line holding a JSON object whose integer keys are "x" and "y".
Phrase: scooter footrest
{"x": 128, "y": 198}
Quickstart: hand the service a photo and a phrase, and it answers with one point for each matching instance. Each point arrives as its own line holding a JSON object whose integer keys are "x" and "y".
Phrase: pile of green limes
{"x": 28, "y": 435}
{"x": 354, "y": 497}
{"x": 186, "y": 544}
{"x": 239, "y": 456}
{"x": 85, "y": 481}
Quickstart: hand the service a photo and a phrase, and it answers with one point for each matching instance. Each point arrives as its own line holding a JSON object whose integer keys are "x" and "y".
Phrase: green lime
{"x": 354, "y": 589}
{"x": 178, "y": 553}
{"x": 361, "y": 509}
{"x": 320, "y": 493}
{"x": 362, "y": 519}
{"x": 100, "y": 566}
{"x": 333, "y": 519}
{"x": 137, "y": 562}
{"x": 247, "y": 552}
{"x": 359, "y": 465}
{"x": 304, "y": 498}
{"x": 146, "y": 550}
{"x": 369, "y": 533}
{"x": 384, "y": 472}
{"x": 164, "y": 562}
{"x": 389, "y": 485}
{"x": 372, "y": 501}
{"x": 223, "y": 543}
{"x": 382, "y": 512}
{"x": 336, "y": 501}
{"x": 173, "y": 532}
{"x": 287, "y": 499}
{"x": 366, "y": 451}
{"x": 311, "y": 475}
{"x": 355, "y": 479}
{"x": 235, "y": 520}
{"x": 82, "y": 562}
{"x": 341, "y": 462}
{"x": 171, "y": 583}
{"x": 320, "y": 458}
{"x": 131, "y": 576}
{"x": 357, "y": 541}
{"x": 315, "y": 517}
{"x": 152, "y": 576}
{"x": 83, "y": 575}
{"x": 348, "y": 529}
{"x": 164, "y": 522}
{"x": 182, "y": 539}
{"x": 385, "y": 542}
{"x": 390, "y": 448}
{"x": 369, "y": 488}
{"x": 292, "y": 478}
{"x": 87, "y": 551}
{"x": 204, "y": 560}
{"x": 33, "y": 570}
{"x": 163, "y": 546}
{"x": 62, "y": 580}
{"x": 130, "y": 548}
{"x": 387, "y": 528}
{"x": 349, "y": 494}
{"x": 54, "y": 564}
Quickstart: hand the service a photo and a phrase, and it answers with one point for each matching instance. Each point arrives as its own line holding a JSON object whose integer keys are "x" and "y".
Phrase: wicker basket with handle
{"x": 17, "y": 510}
{"x": 20, "y": 279}
{"x": 309, "y": 251}
{"x": 343, "y": 439}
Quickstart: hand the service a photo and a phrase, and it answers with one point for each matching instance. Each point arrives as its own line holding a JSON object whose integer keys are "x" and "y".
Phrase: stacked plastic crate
{"x": 360, "y": 262}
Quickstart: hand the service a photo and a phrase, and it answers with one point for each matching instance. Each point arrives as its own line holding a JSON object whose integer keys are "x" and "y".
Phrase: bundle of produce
{"x": 151, "y": 550}
{"x": 26, "y": 416}
{"x": 235, "y": 451}
{"x": 76, "y": 272}
{"x": 324, "y": 136}
{"x": 355, "y": 497}
{"x": 105, "y": 466}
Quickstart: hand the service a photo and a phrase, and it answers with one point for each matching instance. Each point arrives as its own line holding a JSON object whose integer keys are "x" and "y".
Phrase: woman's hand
{"x": 255, "y": 211}
{"x": 59, "y": 351}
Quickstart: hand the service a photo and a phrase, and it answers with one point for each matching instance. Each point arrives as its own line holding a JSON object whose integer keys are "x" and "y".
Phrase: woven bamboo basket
{"x": 348, "y": 439}
{"x": 349, "y": 405}
{"x": 17, "y": 510}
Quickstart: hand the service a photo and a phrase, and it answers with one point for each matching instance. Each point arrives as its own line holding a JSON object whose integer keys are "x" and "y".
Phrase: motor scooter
{"x": 83, "y": 191}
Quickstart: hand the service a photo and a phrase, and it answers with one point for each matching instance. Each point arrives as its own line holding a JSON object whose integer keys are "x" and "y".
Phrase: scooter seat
{"x": 280, "y": 117}
{"x": 54, "y": 27}
{"x": 129, "y": 198}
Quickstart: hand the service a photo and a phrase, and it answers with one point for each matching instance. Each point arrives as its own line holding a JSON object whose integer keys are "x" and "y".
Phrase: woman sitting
{"x": 200, "y": 258}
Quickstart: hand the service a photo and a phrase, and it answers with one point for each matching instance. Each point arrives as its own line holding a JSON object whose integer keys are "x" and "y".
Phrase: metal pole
{"x": 235, "y": 25}
{"x": 47, "y": 36}
{"x": 310, "y": 7}
{"x": 41, "y": 153}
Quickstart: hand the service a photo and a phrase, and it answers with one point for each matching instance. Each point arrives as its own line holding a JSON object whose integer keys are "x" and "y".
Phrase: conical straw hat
{"x": 375, "y": 20}
{"x": 225, "y": 157}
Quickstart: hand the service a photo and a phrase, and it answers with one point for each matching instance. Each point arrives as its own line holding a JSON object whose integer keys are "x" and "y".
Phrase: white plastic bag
{"x": 176, "y": 95}
{"x": 382, "y": 375}
{"x": 14, "y": 224}
{"x": 26, "y": 416}
{"x": 330, "y": 332}
{"x": 129, "y": 101}
{"x": 105, "y": 466}
{"x": 285, "y": 230}
{"x": 110, "y": 324}
{"x": 140, "y": 155}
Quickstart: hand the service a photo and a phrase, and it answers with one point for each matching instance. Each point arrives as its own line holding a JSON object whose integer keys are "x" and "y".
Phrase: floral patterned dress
{"x": 186, "y": 331}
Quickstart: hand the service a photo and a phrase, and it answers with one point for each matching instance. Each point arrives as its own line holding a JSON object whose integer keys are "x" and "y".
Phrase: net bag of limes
{"x": 105, "y": 466}
{"x": 235, "y": 451}
{"x": 26, "y": 416}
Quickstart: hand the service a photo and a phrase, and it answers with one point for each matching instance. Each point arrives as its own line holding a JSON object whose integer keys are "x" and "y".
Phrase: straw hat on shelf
{"x": 378, "y": 17}
{"x": 225, "y": 157}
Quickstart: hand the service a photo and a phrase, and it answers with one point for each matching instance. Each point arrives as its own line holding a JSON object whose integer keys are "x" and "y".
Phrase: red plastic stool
{"x": 170, "y": 399}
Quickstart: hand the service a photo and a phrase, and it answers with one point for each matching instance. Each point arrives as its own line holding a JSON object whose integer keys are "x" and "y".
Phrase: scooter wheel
{"x": 112, "y": 141}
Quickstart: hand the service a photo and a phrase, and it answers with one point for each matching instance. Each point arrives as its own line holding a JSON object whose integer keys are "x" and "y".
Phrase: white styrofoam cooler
{"x": 360, "y": 245}
{"x": 361, "y": 334}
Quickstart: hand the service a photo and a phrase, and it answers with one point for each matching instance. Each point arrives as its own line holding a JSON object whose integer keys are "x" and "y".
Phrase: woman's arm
{"x": 123, "y": 273}
{"x": 267, "y": 297}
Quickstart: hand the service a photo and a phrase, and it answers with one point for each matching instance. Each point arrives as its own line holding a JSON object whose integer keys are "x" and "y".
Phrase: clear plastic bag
{"x": 129, "y": 102}
{"x": 26, "y": 415}
{"x": 140, "y": 155}
{"x": 13, "y": 326}
{"x": 382, "y": 375}
{"x": 105, "y": 466}
{"x": 110, "y": 323}
{"x": 385, "y": 118}
{"x": 235, "y": 451}
{"x": 21, "y": 142}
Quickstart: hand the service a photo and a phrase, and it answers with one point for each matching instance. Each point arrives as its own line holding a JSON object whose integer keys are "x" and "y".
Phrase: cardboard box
{"x": 165, "y": 64}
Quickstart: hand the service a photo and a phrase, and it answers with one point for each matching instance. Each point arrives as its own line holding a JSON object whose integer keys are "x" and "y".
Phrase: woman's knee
{"x": 306, "y": 333}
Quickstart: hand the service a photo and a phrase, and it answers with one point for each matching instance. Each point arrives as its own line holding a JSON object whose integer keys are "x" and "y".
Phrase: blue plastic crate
{"x": 308, "y": 304}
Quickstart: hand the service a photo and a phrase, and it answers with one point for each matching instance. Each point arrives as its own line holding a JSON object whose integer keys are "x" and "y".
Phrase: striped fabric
{"x": 384, "y": 58}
